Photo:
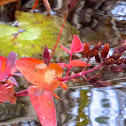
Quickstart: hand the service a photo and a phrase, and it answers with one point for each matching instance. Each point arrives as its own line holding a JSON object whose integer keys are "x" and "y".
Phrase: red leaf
{"x": 44, "y": 107}
{"x": 76, "y": 45}
{"x": 78, "y": 63}
{"x": 7, "y": 94}
{"x": 65, "y": 49}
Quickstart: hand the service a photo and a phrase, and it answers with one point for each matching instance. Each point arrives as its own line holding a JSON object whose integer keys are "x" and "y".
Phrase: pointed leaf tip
{"x": 76, "y": 45}
{"x": 46, "y": 56}
{"x": 64, "y": 48}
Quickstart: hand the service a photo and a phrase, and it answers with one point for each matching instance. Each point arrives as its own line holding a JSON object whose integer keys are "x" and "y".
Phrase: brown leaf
{"x": 105, "y": 51}
{"x": 96, "y": 47}
{"x": 108, "y": 61}
{"x": 97, "y": 57}
{"x": 86, "y": 49}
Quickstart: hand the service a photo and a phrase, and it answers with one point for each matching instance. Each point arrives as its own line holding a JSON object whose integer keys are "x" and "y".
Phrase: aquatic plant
{"x": 45, "y": 76}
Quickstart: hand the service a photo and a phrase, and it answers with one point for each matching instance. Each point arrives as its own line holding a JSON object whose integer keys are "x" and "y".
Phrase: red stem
{"x": 69, "y": 65}
{"x": 59, "y": 35}
{"x": 35, "y": 5}
{"x": 22, "y": 93}
{"x": 80, "y": 74}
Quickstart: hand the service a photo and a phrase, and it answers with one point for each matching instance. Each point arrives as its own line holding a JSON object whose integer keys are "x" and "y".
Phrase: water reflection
{"x": 104, "y": 107}
{"x": 119, "y": 11}
{"x": 93, "y": 107}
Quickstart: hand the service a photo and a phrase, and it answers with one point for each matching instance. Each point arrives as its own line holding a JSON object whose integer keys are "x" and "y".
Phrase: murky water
{"x": 84, "y": 105}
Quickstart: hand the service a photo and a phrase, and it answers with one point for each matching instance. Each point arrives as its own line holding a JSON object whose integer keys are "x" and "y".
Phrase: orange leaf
{"x": 64, "y": 86}
{"x": 56, "y": 96}
{"x": 36, "y": 72}
{"x": 3, "y": 61}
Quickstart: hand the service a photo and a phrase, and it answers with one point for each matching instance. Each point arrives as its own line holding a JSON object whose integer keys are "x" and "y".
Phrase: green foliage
{"x": 40, "y": 29}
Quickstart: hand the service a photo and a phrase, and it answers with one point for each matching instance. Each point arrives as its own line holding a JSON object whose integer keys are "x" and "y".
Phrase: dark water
{"x": 84, "y": 105}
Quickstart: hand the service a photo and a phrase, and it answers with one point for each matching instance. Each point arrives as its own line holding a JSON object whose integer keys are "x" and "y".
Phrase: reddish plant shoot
{"x": 45, "y": 77}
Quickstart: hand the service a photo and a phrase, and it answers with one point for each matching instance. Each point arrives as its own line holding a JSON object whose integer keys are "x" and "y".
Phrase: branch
{"x": 81, "y": 73}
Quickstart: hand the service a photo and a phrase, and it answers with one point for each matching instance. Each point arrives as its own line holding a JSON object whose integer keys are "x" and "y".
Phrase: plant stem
{"x": 35, "y": 5}
{"x": 69, "y": 65}
{"x": 22, "y": 93}
{"x": 59, "y": 35}
{"x": 80, "y": 74}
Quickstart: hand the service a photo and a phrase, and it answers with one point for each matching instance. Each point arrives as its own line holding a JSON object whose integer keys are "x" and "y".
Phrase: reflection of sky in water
{"x": 104, "y": 107}
{"x": 119, "y": 11}
{"x": 107, "y": 107}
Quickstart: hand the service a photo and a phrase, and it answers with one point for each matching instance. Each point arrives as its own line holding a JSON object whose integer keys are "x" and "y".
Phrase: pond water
{"x": 88, "y": 106}
{"x": 85, "y": 105}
